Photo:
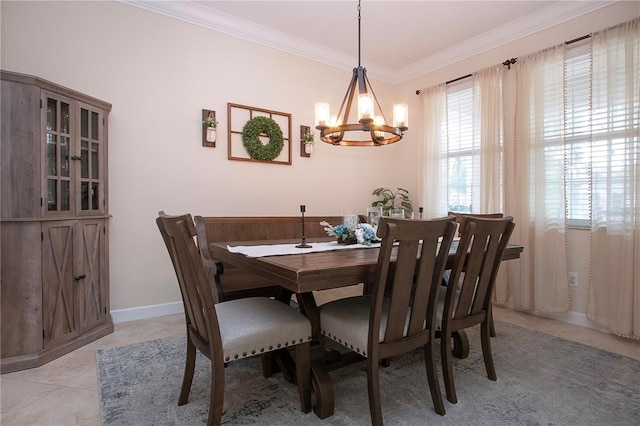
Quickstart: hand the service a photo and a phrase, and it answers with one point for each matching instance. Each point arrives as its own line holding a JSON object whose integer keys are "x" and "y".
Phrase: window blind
{"x": 461, "y": 146}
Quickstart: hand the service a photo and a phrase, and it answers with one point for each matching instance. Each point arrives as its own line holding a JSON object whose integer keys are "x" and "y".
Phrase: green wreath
{"x": 251, "y": 138}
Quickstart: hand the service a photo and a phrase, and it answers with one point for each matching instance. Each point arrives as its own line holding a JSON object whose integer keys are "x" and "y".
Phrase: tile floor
{"x": 65, "y": 392}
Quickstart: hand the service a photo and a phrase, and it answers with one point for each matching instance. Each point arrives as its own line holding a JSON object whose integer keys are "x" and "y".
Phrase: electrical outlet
{"x": 573, "y": 279}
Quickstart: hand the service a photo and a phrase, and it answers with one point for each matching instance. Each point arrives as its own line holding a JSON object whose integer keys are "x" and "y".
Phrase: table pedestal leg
{"x": 460, "y": 344}
{"x": 322, "y": 386}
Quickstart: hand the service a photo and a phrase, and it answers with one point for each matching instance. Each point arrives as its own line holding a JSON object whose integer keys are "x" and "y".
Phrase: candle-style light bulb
{"x": 401, "y": 116}
{"x": 322, "y": 114}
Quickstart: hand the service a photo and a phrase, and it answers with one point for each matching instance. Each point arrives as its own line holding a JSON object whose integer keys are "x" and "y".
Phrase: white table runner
{"x": 282, "y": 249}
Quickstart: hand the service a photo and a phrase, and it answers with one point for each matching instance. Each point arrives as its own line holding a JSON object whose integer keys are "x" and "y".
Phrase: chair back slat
{"x": 414, "y": 281}
{"x": 482, "y": 244}
{"x": 178, "y": 233}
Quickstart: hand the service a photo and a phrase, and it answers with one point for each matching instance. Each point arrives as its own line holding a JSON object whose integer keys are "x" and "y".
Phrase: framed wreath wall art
{"x": 259, "y": 135}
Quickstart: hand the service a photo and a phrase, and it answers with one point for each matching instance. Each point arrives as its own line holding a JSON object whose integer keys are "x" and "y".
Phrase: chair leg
{"x": 373, "y": 384}
{"x": 216, "y": 399}
{"x": 303, "y": 375}
{"x": 492, "y": 327}
{"x": 189, "y": 368}
{"x": 447, "y": 366}
{"x": 267, "y": 364}
{"x": 434, "y": 384}
{"x": 486, "y": 350}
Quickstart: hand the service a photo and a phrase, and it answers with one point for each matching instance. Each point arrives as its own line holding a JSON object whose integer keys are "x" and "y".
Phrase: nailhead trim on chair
{"x": 253, "y": 351}
{"x": 349, "y": 345}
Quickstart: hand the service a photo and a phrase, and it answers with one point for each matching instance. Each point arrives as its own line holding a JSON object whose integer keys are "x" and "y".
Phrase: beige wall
{"x": 159, "y": 73}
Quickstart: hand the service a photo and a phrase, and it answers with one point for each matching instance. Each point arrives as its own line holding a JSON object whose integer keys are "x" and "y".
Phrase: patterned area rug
{"x": 542, "y": 380}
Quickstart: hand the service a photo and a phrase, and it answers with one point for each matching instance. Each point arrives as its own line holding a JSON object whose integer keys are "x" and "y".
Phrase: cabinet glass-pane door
{"x": 91, "y": 185}
{"x": 57, "y": 155}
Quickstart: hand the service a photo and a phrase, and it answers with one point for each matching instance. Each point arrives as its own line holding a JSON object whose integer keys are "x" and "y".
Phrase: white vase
{"x": 211, "y": 134}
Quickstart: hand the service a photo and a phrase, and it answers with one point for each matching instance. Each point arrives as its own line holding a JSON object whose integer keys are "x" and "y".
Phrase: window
{"x": 459, "y": 147}
{"x": 463, "y": 151}
{"x": 596, "y": 136}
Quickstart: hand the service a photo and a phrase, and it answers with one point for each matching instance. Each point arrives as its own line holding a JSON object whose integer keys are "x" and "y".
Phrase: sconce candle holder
{"x": 209, "y": 135}
{"x": 306, "y": 141}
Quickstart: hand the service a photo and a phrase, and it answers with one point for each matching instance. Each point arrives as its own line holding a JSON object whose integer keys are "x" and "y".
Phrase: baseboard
{"x": 145, "y": 312}
{"x": 570, "y": 317}
{"x": 575, "y": 318}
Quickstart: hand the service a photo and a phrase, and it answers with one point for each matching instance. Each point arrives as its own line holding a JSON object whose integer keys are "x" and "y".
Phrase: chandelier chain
{"x": 359, "y": 62}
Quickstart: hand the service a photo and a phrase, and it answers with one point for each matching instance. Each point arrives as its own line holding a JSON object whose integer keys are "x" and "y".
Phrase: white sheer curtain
{"x": 487, "y": 86}
{"x": 614, "y": 294}
{"x": 535, "y": 191}
{"x": 470, "y": 138}
{"x": 433, "y": 104}
{"x": 488, "y": 195}
{"x": 479, "y": 151}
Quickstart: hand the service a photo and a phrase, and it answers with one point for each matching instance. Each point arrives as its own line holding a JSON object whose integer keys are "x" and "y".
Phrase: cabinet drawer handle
{"x": 75, "y": 157}
{"x": 80, "y": 277}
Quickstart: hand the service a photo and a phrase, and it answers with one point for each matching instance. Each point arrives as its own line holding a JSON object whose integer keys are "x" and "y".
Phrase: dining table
{"x": 305, "y": 270}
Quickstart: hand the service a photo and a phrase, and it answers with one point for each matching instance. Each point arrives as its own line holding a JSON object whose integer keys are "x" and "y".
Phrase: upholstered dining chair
{"x": 231, "y": 330}
{"x": 467, "y": 300}
{"x": 378, "y": 327}
{"x": 459, "y": 216}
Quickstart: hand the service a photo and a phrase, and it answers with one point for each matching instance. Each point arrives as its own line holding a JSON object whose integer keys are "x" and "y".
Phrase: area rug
{"x": 542, "y": 380}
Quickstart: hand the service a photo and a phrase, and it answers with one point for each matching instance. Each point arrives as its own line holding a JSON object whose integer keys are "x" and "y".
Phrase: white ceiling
{"x": 400, "y": 40}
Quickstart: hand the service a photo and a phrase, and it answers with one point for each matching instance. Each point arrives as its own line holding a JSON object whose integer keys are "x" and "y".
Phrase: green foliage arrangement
{"x": 251, "y": 138}
{"x": 210, "y": 122}
{"x": 308, "y": 137}
{"x": 393, "y": 199}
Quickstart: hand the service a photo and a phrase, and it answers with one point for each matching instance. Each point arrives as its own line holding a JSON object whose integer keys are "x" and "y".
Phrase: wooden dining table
{"x": 308, "y": 271}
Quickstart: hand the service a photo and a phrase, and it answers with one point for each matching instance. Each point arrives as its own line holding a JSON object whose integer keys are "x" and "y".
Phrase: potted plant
{"x": 210, "y": 123}
{"x": 389, "y": 199}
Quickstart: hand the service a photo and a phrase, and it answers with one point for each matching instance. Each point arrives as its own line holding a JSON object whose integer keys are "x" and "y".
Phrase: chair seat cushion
{"x": 256, "y": 325}
{"x": 347, "y": 321}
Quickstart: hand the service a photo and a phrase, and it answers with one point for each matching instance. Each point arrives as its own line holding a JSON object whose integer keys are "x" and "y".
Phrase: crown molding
{"x": 538, "y": 21}
{"x": 197, "y": 14}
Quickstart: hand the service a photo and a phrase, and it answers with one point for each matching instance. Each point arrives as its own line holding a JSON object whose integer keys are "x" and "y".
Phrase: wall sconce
{"x": 306, "y": 141}
{"x": 209, "y": 128}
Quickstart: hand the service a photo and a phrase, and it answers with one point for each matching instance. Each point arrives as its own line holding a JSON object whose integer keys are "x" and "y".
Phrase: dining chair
{"x": 459, "y": 216}
{"x": 378, "y": 326}
{"x": 467, "y": 300}
{"x": 231, "y": 330}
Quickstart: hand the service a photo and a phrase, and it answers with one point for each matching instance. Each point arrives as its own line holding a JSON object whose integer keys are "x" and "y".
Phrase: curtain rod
{"x": 506, "y": 63}
{"x": 451, "y": 81}
{"x": 512, "y": 61}
{"x": 575, "y": 40}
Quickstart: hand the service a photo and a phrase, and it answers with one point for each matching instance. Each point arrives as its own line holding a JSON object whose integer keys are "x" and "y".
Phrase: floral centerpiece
{"x": 364, "y": 234}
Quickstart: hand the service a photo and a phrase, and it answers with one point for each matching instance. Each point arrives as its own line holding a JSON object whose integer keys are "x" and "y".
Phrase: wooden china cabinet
{"x": 54, "y": 221}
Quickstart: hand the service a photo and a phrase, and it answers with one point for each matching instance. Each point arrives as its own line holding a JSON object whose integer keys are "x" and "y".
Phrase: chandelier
{"x": 334, "y": 130}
